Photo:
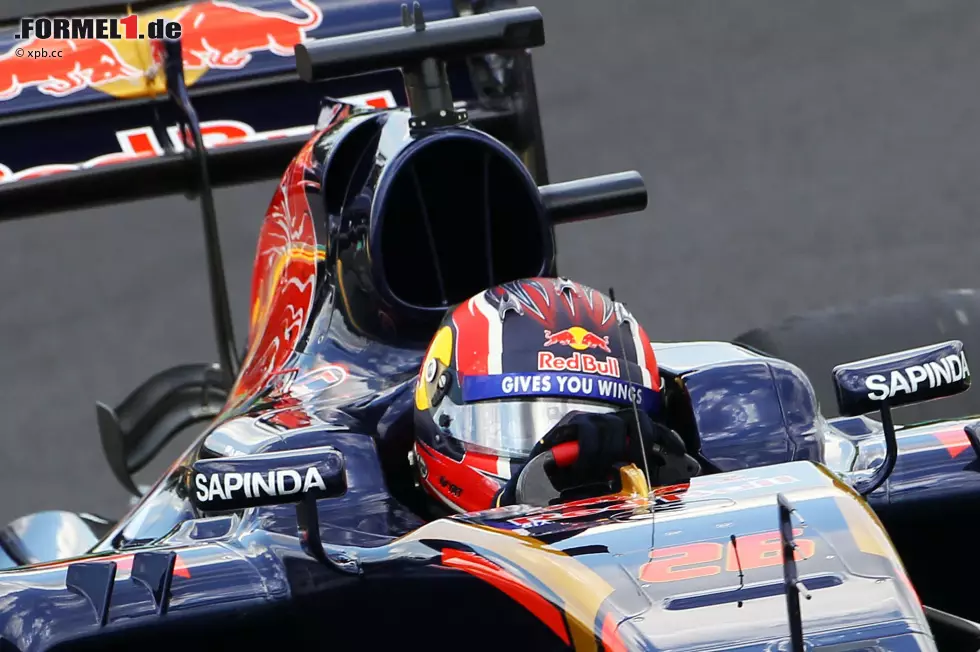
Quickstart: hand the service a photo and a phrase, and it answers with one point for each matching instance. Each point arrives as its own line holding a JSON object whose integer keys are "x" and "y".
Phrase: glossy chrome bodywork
{"x": 227, "y": 562}
{"x": 592, "y": 559}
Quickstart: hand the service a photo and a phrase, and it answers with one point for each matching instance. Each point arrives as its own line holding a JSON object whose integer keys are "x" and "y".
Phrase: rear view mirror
{"x": 232, "y": 483}
{"x": 896, "y": 379}
{"x": 302, "y": 476}
{"x": 902, "y": 378}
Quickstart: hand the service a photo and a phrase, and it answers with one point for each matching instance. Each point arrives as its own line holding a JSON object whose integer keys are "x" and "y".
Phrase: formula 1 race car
{"x": 290, "y": 521}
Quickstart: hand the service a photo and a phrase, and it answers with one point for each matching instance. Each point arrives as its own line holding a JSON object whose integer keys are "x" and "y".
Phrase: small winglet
{"x": 155, "y": 571}
{"x": 93, "y": 581}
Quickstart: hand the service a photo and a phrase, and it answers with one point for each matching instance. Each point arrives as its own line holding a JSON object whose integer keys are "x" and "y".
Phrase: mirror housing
{"x": 232, "y": 483}
{"x": 902, "y": 378}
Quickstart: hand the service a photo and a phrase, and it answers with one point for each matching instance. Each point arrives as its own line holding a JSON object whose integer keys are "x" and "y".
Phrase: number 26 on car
{"x": 707, "y": 558}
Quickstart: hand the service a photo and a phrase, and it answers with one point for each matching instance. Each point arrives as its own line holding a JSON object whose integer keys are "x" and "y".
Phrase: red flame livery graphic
{"x": 284, "y": 273}
{"x": 283, "y": 277}
{"x": 82, "y": 64}
{"x": 219, "y": 34}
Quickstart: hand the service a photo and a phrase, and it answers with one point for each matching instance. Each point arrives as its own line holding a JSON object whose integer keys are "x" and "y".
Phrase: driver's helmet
{"x": 505, "y": 366}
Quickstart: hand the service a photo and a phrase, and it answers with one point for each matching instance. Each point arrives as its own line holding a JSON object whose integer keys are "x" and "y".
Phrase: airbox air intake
{"x": 458, "y": 214}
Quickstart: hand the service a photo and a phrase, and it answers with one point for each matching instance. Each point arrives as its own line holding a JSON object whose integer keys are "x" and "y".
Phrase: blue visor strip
{"x": 583, "y": 386}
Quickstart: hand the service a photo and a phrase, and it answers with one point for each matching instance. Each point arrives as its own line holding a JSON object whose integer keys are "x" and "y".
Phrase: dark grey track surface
{"x": 799, "y": 154}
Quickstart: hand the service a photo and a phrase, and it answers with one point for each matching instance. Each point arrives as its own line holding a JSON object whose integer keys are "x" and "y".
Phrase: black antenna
{"x": 738, "y": 560}
{"x": 793, "y": 587}
{"x": 621, "y": 318}
{"x": 196, "y": 153}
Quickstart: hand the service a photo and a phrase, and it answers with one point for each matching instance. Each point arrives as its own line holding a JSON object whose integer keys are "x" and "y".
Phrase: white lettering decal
{"x": 916, "y": 375}
{"x": 281, "y": 482}
{"x": 262, "y": 485}
{"x": 878, "y": 387}
{"x": 216, "y": 488}
{"x": 951, "y": 369}
{"x": 202, "y": 487}
{"x": 899, "y": 383}
{"x": 313, "y": 479}
{"x": 233, "y": 482}
{"x": 581, "y": 362}
{"x": 957, "y": 368}
{"x": 223, "y": 486}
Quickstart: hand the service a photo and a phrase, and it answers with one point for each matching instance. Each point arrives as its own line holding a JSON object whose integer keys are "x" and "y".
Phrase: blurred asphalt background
{"x": 799, "y": 154}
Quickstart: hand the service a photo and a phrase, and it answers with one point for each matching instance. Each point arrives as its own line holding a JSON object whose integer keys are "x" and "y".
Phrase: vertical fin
{"x": 93, "y": 581}
{"x": 155, "y": 571}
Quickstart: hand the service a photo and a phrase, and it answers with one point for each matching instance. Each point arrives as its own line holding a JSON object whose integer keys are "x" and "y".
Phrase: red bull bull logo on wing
{"x": 79, "y": 64}
{"x": 577, "y": 338}
{"x": 224, "y": 35}
{"x": 214, "y": 35}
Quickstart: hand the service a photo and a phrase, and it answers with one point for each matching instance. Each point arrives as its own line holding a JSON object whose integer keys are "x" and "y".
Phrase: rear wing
{"x": 186, "y": 164}
{"x": 103, "y": 101}
{"x": 190, "y": 164}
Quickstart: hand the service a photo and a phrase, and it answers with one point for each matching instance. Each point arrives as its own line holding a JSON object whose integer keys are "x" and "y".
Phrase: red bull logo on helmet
{"x": 577, "y": 338}
{"x": 581, "y": 362}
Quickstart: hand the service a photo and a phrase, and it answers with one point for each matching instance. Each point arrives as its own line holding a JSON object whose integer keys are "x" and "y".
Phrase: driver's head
{"x": 506, "y": 365}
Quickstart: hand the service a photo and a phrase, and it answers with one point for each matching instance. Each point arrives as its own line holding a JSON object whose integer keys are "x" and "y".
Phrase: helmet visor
{"x": 510, "y": 427}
